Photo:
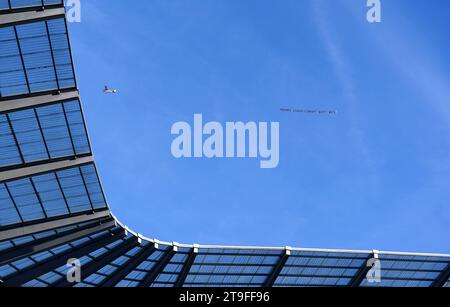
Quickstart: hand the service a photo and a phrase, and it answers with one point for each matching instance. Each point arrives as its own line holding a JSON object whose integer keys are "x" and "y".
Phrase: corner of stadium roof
{"x": 52, "y": 205}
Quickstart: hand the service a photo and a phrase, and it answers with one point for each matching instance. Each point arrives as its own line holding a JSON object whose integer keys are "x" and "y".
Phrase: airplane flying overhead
{"x": 107, "y": 90}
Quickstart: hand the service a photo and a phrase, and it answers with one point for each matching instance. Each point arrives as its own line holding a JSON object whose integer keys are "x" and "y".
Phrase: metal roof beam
{"x": 39, "y": 14}
{"x": 60, "y": 222}
{"x": 16, "y": 104}
{"x": 442, "y": 278}
{"x": 56, "y": 261}
{"x": 128, "y": 268}
{"x": 16, "y": 142}
{"x": 30, "y": 7}
{"x": 159, "y": 267}
{"x": 362, "y": 272}
{"x": 277, "y": 268}
{"x": 102, "y": 261}
{"x": 44, "y": 168}
{"x": 48, "y": 243}
{"x": 186, "y": 268}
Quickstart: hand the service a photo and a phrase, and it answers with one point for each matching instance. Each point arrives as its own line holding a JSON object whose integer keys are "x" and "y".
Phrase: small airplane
{"x": 107, "y": 90}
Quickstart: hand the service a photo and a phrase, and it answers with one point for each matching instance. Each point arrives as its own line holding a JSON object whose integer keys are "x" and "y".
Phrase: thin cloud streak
{"x": 402, "y": 52}
{"x": 343, "y": 74}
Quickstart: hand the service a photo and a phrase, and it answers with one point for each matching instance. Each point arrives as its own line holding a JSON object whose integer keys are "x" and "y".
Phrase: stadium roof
{"x": 52, "y": 205}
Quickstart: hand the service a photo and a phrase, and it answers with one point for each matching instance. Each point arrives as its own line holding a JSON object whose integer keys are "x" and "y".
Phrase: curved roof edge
{"x": 53, "y": 206}
{"x": 373, "y": 251}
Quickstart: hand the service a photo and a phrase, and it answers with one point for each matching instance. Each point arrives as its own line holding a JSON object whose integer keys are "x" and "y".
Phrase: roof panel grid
{"x": 108, "y": 269}
{"x": 59, "y": 274}
{"x": 18, "y": 4}
{"x": 244, "y": 268}
{"x": 409, "y": 270}
{"x": 53, "y": 194}
{"x": 21, "y": 265}
{"x": 137, "y": 275}
{"x": 171, "y": 272}
{"x": 42, "y": 134}
{"x": 35, "y": 57}
{"x": 25, "y": 240}
{"x": 308, "y": 268}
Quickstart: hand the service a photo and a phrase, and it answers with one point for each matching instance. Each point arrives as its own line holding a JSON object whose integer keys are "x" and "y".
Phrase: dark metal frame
{"x": 19, "y": 47}
{"x": 157, "y": 269}
{"x": 23, "y": 164}
{"x": 54, "y": 262}
{"x": 442, "y": 278}
{"x": 39, "y": 99}
{"x": 26, "y": 16}
{"x": 8, "y": 119}
{"x": 128, "y": 268}
{"x": 41, "y": 7}
{"x": 85, "y": 188}
{"x": 276, "y": 270}
{"x": 362, "y": 272}
{"x": 14, "y": 231}
{"x": 186, "y": 268}
{"x": 36, "y": 16}
{"x": 8, "y": 191}
{"x": 38, "y": 196}
{"x": 39, "y": 245}
{"x": 45, "y": 168}
{"x": 103, "y": 261}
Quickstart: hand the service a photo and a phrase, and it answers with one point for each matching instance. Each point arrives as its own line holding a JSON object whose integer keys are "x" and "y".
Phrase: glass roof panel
{"x": 50, "y": 195}
{"x": 35, "y": 57}
{"x": 42, "y": 133}
{"x": 26, "y": 3}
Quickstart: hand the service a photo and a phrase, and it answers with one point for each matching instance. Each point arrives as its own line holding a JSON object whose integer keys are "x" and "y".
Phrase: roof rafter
{"x": 159, "y": 267}
{"x": 128, "y": 268}
{"x": 103, "y": 260}
{"x": 56, "y": 261}
{"x": 362, "y": 272}
{"x": 48, "y": 225}
{"x": 44, "y": 168}
{"x": 277, "y": 268}
{"x": 186, "y": 268}
{"x": 16, "y": 104}
{"x": 8, "y": 20}
{"x": 442, "y": 279}
{"x": 39, "y": 245}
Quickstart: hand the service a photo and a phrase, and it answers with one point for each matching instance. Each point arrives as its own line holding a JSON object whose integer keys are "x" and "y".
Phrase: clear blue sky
{"x": 375, "y": 176}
